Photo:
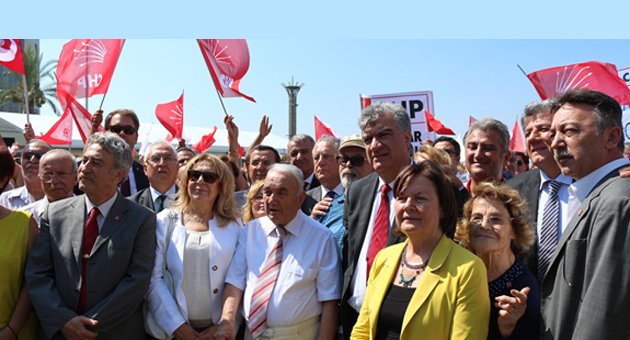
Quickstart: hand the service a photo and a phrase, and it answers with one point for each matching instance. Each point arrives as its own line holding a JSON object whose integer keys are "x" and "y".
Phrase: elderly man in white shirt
{"x": 296, "y": 296}
{"x": 58, "y": 173}
{"x": 32, "y": 189}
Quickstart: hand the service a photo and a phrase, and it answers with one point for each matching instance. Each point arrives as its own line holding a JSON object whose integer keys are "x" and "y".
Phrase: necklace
{"x": 417, "y": 267}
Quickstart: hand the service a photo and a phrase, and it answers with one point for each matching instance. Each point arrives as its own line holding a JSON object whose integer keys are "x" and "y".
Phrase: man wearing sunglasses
{"x": 32, "y": 189}
{"x": 160, "y": 166}
{"x": 125, "y": 123}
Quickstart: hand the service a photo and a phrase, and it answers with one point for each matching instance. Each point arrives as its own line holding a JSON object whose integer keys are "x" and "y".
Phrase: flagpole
{"x": 221, "y": 99}
{"x": 24, "y": 85}
{"x": 102, "y": 100}
{"x": 520, "y": 68}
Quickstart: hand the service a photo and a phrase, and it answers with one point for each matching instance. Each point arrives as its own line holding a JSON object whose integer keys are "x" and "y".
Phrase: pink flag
{"x": 592, "y": 75}
{"x": 228, "y": 62}
{"x": 471, "y": 120}
{"x": 86, "y": 66}
{"x": 322, "y": 129}
{"x": 11, "y": 55}
{"x": 80, "y": 114}
{"x": 206, "y": 142}
{"x": 171, "y": 115}
{"x": 516, "y": 142}
{"x": 435, "y": 125}
{"x": 61, "y": 132}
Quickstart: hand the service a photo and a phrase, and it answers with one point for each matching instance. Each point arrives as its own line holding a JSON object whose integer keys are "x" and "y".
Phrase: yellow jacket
{"x": 450, "y": 302}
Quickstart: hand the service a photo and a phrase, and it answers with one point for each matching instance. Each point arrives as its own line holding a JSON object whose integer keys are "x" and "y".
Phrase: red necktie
{"x": 381, "y": 228}
{"x": 89, "y": 237}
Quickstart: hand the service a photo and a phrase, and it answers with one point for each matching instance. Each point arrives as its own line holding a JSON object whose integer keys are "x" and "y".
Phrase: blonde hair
{"x": 429, "y": 152}
{"x": 515, "y": 205}
{"x": 224, "y": 208}
{"x": 248, "y": 213}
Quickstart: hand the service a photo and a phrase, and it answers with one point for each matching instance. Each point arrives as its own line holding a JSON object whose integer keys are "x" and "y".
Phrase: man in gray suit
{"x": 536, "y": 186}
{"x": 160, "y": 167}
{"x": 90, "y": 267}
{"x": 585, "y": 291}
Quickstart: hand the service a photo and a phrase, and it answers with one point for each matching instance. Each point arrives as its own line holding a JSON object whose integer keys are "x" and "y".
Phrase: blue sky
{"x": 467, "y": 77}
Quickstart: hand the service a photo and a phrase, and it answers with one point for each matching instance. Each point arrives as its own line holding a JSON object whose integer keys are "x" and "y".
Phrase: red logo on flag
{"x": 86, "y": 66}
{"x": 11, "y": 55}
{"x": 228, "y": 62}
{"x": 61, "y": 132}
{"x": 171, "y": 115}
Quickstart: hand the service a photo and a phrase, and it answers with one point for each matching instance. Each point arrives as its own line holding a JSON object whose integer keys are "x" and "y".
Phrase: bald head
{"x": 58, "y": 174}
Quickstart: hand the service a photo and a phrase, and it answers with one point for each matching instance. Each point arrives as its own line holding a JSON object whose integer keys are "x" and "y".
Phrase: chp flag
{"x": 11, "y": 55}
{"x": 415, "y": 103}
{"x": 624, "y": 74}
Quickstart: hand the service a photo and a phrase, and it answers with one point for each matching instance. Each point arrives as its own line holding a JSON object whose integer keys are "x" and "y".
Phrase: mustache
{"x": 562, "y": 153}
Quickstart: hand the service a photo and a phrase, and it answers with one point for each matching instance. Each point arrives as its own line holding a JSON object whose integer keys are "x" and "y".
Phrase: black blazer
{"x": 527, "y": 184}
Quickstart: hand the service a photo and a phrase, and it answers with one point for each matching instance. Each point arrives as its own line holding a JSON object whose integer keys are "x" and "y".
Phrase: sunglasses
{"x": 30, "y": 154}
{"x": 208, "y": 177}
{"x": 128, "y": 129}
{"x": 357, "y": 160}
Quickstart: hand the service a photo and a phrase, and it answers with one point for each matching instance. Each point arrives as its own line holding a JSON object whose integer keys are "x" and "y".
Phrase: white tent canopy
{"x": 11, "y": 125}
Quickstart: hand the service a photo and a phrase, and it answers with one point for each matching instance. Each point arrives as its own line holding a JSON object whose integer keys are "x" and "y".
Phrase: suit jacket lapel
{"x": 533, "y": 189}
{"x": 77, "y": 213}
{"x": 114, "y": 220}
{"x": 428, "y": 281}
{"x": 147, "y": 200}
{"x": 367, "y": 193}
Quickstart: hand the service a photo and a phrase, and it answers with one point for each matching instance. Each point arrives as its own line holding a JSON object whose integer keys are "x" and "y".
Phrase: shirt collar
{"x": 155, "y": 194}
{"x": 103, "y": 208}
{"x": 292, "y": 227}
{"x": 338, "y": 190}
{"x": 562, "y": 178}
{"x": 582, "y": 187}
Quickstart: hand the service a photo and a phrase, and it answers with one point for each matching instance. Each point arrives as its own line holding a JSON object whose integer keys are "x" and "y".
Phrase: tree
{"x": 35, "y": 71}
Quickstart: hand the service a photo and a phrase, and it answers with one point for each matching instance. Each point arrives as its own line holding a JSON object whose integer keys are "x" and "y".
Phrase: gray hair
{"x": 63, "y": 154}
{"x": 536, "y": 107}
{"x": 34, "y": 142}
{"x": 289, "y": 169}
{"x": 301, "y": 137}
{"x": 373, "y": 113}
{"x": 155, "y": 145}
{"x": 114, "y": 145}
{"x": 330, "y": 140}
{"x": 491, "y": 124}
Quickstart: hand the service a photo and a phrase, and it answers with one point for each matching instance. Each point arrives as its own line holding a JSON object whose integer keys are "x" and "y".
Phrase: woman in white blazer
{"x": 196, "y": 239}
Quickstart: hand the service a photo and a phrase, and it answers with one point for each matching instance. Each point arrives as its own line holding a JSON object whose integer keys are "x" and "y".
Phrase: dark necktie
{"x": 159, "y": 203}
{"x": 549, "y": 229}
{"x": 125, "y": 188}
{"x": 381, "y": 228}
{"x": 331, "y": 194}
{"x": 90, "y": 232}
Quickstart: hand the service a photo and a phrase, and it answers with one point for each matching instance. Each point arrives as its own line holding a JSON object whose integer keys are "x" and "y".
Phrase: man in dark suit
{"x": 90, "y": 267}
{"x": 585, "y": 290}
{"x": 160, "y": 165}
{"x": 326, "y": 159}
{"x": 300, "y": 149}
{"x": 386, "y": 131}
{"x": 535, "y": 186}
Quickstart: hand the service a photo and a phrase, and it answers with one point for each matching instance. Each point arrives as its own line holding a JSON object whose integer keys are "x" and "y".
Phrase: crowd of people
{"x": 361, "y": 237}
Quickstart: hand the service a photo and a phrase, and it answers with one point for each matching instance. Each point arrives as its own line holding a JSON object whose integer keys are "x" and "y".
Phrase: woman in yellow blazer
{"x": 427, "y": 287}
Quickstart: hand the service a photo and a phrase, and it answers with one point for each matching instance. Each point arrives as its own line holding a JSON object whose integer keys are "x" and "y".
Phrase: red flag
{"x": 86, "y": 66}
{"x": 206, "y": 142}
{"x": 81, "y": 116}
{"x": 516, "y": 142}
{"x": 61, "y": 132}
{"x": 592, "y": 75}
{"x": 11, "y": 55}
{"x": 241, "y": 151}
{"x": 435, "y": 125}
{"x": 171, "y": 115}
{"x": 365, "y": 102}
{"x": 228, "y": 62}
{"x": 471, "y": 120}
{"x": 321, "y": 129}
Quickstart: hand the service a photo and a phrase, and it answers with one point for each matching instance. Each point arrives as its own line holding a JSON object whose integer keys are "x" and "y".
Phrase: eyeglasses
{"x": 157, "y": 159}
{"x": 208, "y": 177}
{"x": 47, "y": 176}
{"x": 128, "y": 129}
{"x": 30, "y": 154}
{"x": 477, "y": 220}
{"x": 357, "y": 160}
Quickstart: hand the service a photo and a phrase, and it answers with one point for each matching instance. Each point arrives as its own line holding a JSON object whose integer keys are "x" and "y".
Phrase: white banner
{"x": 415, "y": 103}
{"x": 624, "y": 74}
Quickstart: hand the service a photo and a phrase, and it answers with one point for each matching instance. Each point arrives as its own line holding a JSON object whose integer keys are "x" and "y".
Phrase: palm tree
{"x": 37, "y": 96}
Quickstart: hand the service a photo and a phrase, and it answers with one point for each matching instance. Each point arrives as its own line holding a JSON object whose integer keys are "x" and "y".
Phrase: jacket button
{"x": 216, "y": 290}
{"x": 214, "y": 268}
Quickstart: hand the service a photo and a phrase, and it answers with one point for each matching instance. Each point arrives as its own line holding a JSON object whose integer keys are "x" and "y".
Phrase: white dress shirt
{"x": 104, "y": 208}
{"x": 309, "y": 275}
{"x": 339, "y": 190}
{"x": 16, "y": 198}
{"x": 359, "y": 280}
{"x": 36, "y": 208}
{"x": 170, "y": 193}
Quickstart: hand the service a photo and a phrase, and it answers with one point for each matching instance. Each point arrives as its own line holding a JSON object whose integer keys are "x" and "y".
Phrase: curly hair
{"x": 515, "y": 205}
{"x": 224, "y": 208}
{"x": 248, "y": 214}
